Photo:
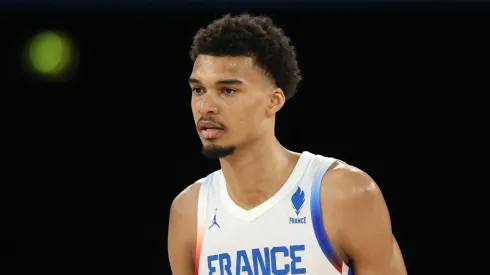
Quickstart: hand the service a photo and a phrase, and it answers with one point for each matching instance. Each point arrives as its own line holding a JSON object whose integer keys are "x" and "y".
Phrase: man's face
{"x": 230, "y": 99}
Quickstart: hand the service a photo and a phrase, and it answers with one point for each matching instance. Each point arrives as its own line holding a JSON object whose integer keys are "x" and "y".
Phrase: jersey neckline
{"x": 254, "y": 213}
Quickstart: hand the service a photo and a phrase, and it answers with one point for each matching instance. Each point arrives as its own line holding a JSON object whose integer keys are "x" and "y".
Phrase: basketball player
{"x": 268, "y": 210}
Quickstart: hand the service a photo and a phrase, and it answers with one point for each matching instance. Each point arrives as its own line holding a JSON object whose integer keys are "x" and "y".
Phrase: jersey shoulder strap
{"x": 202, "y": 205}
{"x": 317, "y": 218}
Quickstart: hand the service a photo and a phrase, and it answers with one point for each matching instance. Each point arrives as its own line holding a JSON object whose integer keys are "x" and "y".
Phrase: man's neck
{"x": 257, "y": 172}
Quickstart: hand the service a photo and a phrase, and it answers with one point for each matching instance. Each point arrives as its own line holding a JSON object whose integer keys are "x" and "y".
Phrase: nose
{"x": 206, "y": 105}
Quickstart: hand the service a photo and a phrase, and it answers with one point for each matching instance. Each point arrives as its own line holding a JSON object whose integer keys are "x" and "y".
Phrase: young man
{"x": 268, "y": 210}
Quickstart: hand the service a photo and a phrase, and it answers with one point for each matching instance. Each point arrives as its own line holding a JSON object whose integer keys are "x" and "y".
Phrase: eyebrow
{"x": 224, "y": 81}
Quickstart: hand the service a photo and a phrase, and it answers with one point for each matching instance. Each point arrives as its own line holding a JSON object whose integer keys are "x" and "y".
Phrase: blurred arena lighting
{"x": 51, "y": 54}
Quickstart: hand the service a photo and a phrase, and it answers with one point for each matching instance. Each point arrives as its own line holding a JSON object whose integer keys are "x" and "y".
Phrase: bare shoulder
{"x": 182, "y": 229}
{"x": 357, "y": 218}
{"x": 183, "y": 211}
{"x": 349, "y": 195}
{"x": 349, "y": 184}
{"x": 187, "y": 199}
{"x": 344, "y": 188}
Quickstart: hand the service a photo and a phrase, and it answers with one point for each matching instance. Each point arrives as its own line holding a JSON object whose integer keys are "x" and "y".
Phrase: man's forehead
{"x": 239, "y": 65}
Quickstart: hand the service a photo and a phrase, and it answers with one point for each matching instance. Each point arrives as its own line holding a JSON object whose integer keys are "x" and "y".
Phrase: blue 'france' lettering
{"x": 241, "y": 256}
{"x": 295, "y": 259}
{"x": 212, "y": 258}
{"x": 274, "y": 251}
{"x": 280, "y": 260}
{"x": 264, "y": 262}
{"x": 225, "y": 267}
{"x": 297, "y": 220}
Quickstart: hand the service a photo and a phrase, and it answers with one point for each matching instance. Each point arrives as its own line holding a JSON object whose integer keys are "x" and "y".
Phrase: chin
{"x": 214, "y": 151}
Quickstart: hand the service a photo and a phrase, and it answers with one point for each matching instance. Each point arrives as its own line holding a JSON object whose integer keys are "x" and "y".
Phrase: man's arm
{"x": 182, "y": 228}
{"x": 365, "y": 234}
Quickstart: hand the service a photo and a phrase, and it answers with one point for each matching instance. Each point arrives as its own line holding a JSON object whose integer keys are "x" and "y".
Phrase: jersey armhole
{"x": 318, "y": 227}
{"x": 201, "y": 219}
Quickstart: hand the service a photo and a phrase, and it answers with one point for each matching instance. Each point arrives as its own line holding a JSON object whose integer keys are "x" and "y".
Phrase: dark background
{"x": 98, "y": 158}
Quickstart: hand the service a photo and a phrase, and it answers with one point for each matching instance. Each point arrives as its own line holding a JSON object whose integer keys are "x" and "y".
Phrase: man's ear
{"x": 276, "y": 101}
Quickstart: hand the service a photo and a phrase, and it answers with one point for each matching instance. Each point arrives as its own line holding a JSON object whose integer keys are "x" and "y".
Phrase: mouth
{"x": 210, "y": 130}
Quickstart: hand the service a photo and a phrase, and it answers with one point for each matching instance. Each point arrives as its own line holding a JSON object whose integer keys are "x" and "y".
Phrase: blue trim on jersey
{"x": 316, "y": 217}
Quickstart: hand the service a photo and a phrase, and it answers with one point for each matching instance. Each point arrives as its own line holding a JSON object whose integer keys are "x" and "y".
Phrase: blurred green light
{"x": 49, "y": 53}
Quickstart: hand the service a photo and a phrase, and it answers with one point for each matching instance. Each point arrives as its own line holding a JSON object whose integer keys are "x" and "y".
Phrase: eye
{"x": 228, "y": 91}
{"x": 197, "y": 90}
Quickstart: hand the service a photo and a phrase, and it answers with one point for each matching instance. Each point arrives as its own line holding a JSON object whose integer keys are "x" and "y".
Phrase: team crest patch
{"x": 298, "y": 200}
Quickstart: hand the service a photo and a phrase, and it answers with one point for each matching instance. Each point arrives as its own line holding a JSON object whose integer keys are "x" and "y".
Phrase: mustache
{"x": 210, "y": 119}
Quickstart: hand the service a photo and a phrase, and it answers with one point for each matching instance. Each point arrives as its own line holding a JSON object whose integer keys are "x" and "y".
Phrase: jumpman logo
{"x": 214, "y": 220}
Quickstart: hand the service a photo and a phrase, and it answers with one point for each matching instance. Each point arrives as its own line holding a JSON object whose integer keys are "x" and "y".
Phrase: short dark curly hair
{"x": 256, "y": 37}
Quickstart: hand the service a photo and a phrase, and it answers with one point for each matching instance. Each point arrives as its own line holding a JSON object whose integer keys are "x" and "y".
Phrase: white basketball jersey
{"x": 283, "y": 235}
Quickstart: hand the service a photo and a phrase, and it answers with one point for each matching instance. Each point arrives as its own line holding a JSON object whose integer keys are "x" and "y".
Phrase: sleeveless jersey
{"x": 283, "y": 235}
